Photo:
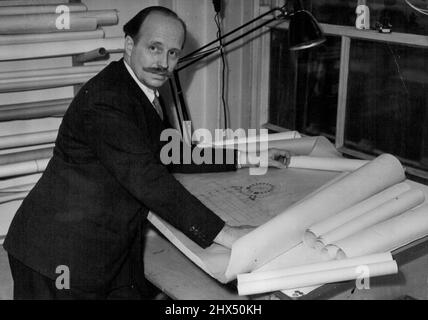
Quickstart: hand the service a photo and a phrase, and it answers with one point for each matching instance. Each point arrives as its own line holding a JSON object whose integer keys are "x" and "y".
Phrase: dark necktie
{"x": 157, "y": 105}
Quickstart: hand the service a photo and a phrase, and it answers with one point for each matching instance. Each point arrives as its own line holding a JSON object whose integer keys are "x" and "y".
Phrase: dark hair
{"x": 132, "y": 27}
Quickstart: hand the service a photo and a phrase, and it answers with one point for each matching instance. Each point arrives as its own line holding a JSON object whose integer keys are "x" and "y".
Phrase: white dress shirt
{"x": 150, "y": 93}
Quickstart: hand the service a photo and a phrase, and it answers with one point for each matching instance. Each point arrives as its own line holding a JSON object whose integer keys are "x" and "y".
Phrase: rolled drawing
{"x": 44, "y": 23}
{"x": 314, "y": 267}
{"x": 329, "y": 164}
{"x": 35, "y": 105}
{"x": 59, "y": 48}
{"x": 5, "y": 3}
{"x": 285, "y": 231}
{"x": 103, "y": 17}
{"x": 386, "y": 236}
{"x": 97, "y": 54}
{"x": 25, "y": 180}
{"x": 49, "y": 72}
{"x": 33, "y": 113}
{"x": 402, "y": 203}
{"x": 305, "y": 146}
{"x": 21, "y": 168}
{"x": 337, "y": 220}
{"x": 316, "y": 278}
{"x": 51, "y": 37}
{"x": 28, "y": 139}
{"x": 10, "y": 158}
{"x": 47, "y": 8}
{"x": 8, "y": 197}
{"x": 43, "y": 82}
{"x": 242, "y": 141}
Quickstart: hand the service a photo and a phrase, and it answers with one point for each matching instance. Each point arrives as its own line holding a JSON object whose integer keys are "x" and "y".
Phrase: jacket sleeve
{"x": 124, "y": 151}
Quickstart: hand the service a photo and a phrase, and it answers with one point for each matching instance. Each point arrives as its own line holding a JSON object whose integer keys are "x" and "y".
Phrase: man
{"x": 87, "y": 212}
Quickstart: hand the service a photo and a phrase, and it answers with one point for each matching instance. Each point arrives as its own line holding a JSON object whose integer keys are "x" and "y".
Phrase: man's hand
{"x": 279, "y": 158}
{"x": 276, "y": 158}
{"x": 228, "y": 235}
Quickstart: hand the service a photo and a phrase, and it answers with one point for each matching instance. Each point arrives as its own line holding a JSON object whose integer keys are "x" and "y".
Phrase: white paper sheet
{"x": 288, "y": 187}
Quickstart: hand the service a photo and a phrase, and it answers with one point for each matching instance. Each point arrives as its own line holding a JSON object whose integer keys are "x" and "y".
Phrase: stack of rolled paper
{"x": 383, "y": 222}
{"x": 317, "y": 274}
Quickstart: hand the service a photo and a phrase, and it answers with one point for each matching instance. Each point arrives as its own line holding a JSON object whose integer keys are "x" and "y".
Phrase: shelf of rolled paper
{"x": 46, "y": 78}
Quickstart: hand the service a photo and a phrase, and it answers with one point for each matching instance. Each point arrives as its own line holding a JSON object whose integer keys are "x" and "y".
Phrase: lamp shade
{"x": 304, "y": 31}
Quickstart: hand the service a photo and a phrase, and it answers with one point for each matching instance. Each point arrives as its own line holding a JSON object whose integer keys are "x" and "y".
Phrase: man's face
{"x": 154, "y": 54}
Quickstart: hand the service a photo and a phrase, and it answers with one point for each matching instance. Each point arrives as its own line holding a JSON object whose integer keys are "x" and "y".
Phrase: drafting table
{"x": 172, "y": 272}
{"x": 179, "y": 278}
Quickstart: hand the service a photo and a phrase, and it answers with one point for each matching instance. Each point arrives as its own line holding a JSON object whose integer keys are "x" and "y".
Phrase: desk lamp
{"x": 304, "y": 33}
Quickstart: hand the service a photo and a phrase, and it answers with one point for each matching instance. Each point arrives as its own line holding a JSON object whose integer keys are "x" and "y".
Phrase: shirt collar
{"x": 150, "y": 93}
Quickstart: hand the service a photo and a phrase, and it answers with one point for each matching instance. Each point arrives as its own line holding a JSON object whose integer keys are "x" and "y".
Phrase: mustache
{"x": 159, "y": 71}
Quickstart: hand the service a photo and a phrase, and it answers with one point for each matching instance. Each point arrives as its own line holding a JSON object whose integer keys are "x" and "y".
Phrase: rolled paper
{"x": 8, "y": 197}
{"x": 59, "y": 48}
{"x": 306, "y": 146}
{"x": 44, "y": 23}
{"x": 43, "y": 82}
{"x": 49, "y": 72}
{"x": 50, "y": 37}
{"x": 21, "y": 181}
{"x": 8, "y": 211}
{"x": 17, "y": 189}
{"x": 330, "y": 251}
{"x": 386, "y": 236}
{"x": 46, "y": 78}
{"x": 314, "y": 267}
{"x": 97, "y": 54}
{"x": 353, "y": 212}
{"x": 103, "y": 17}
{"x": 33, "y": 113}
{"x": 314, "y": 146}
{"x": 4, "y": 3}
{"x": 35, "y": 105}
{"x": 318, "y": 278}
{"x": 285, "y": 231}
{"x": 10, "y": 158}
{"x": 406, "y": 201}
{"x": 28, "y": 139}
{"x": 235, "y": 143}
{"x": 329, "y": 164}
{"x": 47, "y": 8}
{"x": 22, "y": 168}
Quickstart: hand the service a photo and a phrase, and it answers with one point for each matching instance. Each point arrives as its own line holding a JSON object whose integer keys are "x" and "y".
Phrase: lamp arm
{"x": 199, "y": 54}
{"x": 210, "y": 52}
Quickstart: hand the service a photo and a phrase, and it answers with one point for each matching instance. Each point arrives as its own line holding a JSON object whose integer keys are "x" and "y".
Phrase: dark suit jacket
{"x": 87, "y": 210}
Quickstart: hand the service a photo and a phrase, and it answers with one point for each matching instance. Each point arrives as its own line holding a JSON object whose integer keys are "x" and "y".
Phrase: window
{"x": 364, "y": 90}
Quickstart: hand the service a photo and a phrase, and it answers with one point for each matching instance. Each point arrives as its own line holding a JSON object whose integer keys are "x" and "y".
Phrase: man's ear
{"x": 129, "y": 46}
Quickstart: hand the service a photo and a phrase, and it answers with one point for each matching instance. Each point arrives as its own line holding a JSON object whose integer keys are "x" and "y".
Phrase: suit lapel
{"x": 146, "y": 116}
